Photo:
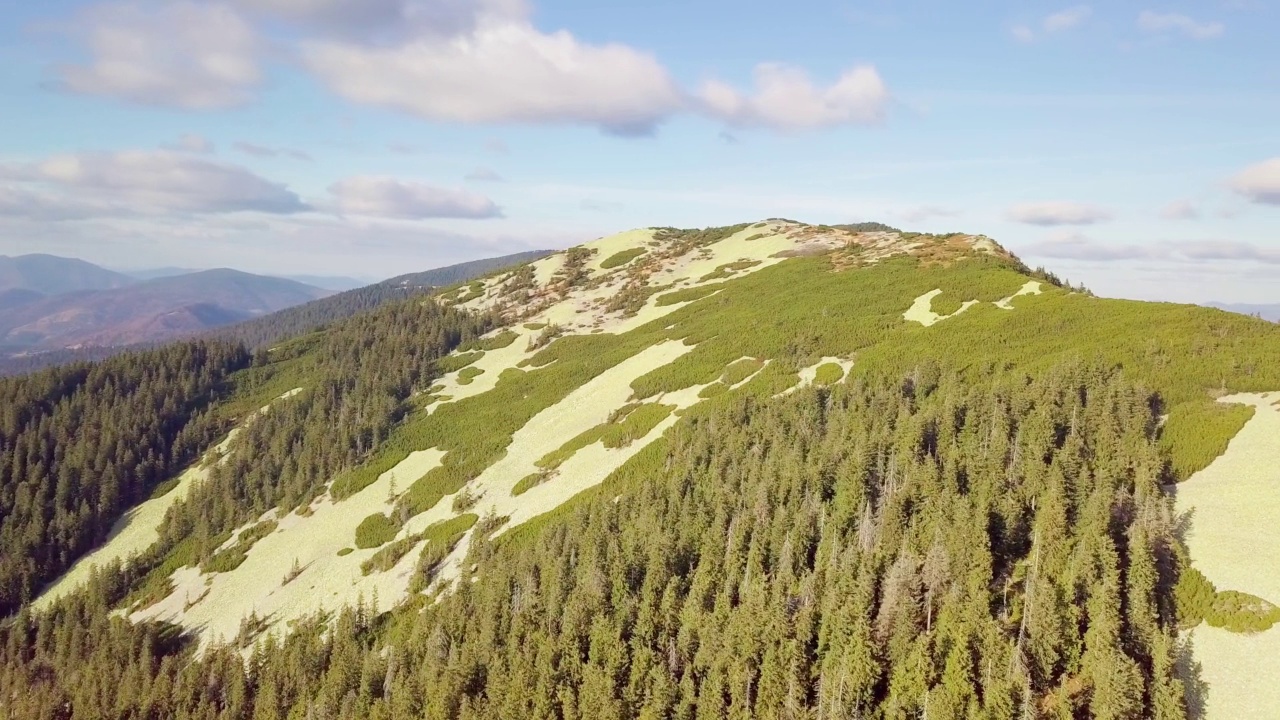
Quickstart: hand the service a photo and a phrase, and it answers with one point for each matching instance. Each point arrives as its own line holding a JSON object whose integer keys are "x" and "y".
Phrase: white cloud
{"x": 1058, "y": 213}
{"x": 1260, "y": 183}
{"x": 1180, "y": 210}
{"x": 503, "y": 72}
{"x": 786, "y": 99}
{"x": 150, "y": 181}
{"x": 178, "y": 54}
{"x": 484, "y": 175}
{"x": 1022, "y": 33}
{"x": 262, "y": 151}
{"x": 407, "y": 200}
{"x": 926, "y": 212}
{"x": 1073, "y": 246}
{"x": 1061, "y": 21}
{"x": 191, "y": 143}
{"x": 1155, "y": 22}
{"x": 379, "y": 21}
{"x": 1067, "y": 19}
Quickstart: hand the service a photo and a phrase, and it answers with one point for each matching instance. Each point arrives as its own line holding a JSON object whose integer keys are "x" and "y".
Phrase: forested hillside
{"x": 82, "y": 443}
{"x": 301, "y": 319}
{"x": 890, "y": 548}
{"x": 769, "y": 470}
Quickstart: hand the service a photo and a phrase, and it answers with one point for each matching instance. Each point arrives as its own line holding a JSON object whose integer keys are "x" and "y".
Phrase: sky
{"x": 1132, "y": 146}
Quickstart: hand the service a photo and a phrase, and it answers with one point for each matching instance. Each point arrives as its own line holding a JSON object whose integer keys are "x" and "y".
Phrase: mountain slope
{"x": 309, "y": 316}
{"x": 759, "y": 470}
{"x": 52, "y": 275}
{"x": 148, "y": 311}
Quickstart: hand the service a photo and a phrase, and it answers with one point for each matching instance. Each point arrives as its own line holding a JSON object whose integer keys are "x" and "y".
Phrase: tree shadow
{"x": 1190, "y": 673}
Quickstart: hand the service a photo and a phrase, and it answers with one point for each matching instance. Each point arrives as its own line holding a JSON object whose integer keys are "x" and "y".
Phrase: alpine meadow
{"x": 705, "y": 360}
{"x": 766, "y": 470}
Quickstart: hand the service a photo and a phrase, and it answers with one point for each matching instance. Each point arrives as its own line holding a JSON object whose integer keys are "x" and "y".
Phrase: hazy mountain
{"x": 147, "y": 311}
{"x": 305, "y": 318}
{"x": 1266, "y": 312}
{"x": 52, "y": 275}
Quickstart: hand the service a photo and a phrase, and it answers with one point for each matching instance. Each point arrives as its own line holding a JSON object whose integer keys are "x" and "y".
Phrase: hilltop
{"x": 853, "y": 464}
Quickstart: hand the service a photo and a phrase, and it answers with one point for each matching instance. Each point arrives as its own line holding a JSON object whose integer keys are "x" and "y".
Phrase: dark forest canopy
{"x": 998, "y": 550}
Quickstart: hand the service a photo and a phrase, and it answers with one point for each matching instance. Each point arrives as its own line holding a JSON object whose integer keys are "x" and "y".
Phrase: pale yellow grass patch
{"x": 139, "y": 528}
{"x": 1030, "y": 288}
{"x": 1234, "y": 539}
{"x": 214, "y": 605}
{"x": 921, "y": 310}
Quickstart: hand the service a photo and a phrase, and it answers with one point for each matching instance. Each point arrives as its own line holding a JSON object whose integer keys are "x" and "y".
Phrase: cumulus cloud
{"x": 484, "y": 175}
{"x": 262, "y": 151}
{"x": 1058, "y": 213}
{"x": 1074, "y": 246}
{"x": 1067, "y": 19}
{"x": 504, "y": 72}
{"x": 374, "y": 21}
{"x": 1180, "y": 210}
{"x": 1061, "y": 21}
{"x": 153, "y": 181}
{"x": 1162, "y": 23}
{"x": 1260, "y": 183}
{"x": 191, "y": 143}
{"x": 785, "y": 98}
{"x": 926, "y": 212}
{"x": 388, "y": 197}
{"x": 178, "y": 54}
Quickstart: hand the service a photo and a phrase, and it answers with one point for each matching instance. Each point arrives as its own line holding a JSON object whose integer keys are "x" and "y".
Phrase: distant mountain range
{"x": 55, "y": 310}
{"x": 1266, "y": 312}
{"x": 336, "y": 283}
{"x": 75, "y": 314}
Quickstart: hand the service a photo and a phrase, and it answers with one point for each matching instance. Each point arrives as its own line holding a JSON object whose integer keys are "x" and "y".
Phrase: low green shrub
{"x": 530, "y": 481}
{"x": 1197, "y": 432}
{"x": 467, "y": 374}
{"x": 1242, "y": 613}
{"x": 375, "y": 530}
{"x": 741, "y": 370}
{"x": 621, "y": 258}
{"x": 828, "y": 374}
{"x": 685, "y": 295}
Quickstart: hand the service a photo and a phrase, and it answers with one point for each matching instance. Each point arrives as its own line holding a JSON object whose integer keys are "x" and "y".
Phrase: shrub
{"x": 619, "y": 259}
{"x": 375, "y": 530}
{"x": 345, "y": 551}
{"x": 530, "y": 481}
{"x": 741, "y": 370}
{"x": 1197, "y": 432}
{"x": 715, "y": 389}
{"x": 453, "y": 363}
{"x": 234, "y": 556}
{"x": 1242, "y": 613}
{"x": 686, "y": 295}
{"x": 1193, "y": 597}
{"x": 467, "y": 374}
{"x": 828, "y": 374}
{"x": 464, "y": 500}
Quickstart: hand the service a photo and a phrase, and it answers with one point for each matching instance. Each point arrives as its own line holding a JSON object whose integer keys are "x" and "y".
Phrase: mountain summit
{"x": 850, "y": 467}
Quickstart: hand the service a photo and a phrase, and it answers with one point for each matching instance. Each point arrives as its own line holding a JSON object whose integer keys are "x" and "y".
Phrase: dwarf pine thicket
{"x": 969, "y": 523}
{"x": 869, "y": 550}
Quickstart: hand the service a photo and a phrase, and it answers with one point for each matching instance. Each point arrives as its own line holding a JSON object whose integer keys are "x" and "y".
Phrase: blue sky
{"x": 1134, "y": 145}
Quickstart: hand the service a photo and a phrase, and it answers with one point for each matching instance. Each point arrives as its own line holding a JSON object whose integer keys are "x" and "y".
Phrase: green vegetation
{"x": 534, "y": 325}
{"x": 621, "y": 258}
{"x": 473, "y": 291}
{"x": 685, "y": 295}
{"x": 946, "y": 304}
{"x": 728, "y": 269}
{"x": 530, "y": 481}
{"x": 497, "y": 342}
{"x": 346, "y": 551}
{"x": 741, "y": 370}
{"x": 828, "y": 374}
{"x": 83, "y": 443}
{"x": 615, "y": 433}
{"x": 867, "y": 549}
{"x": 231, "y": 558}
{"x": 467, "y": 374}
{"x": 1198, "y": 600}
{"x": 1197, "y": 432}
{"x": 375, "y": 530}
{"x": 715, "y": 389}
{"x": 454, "y": 363}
